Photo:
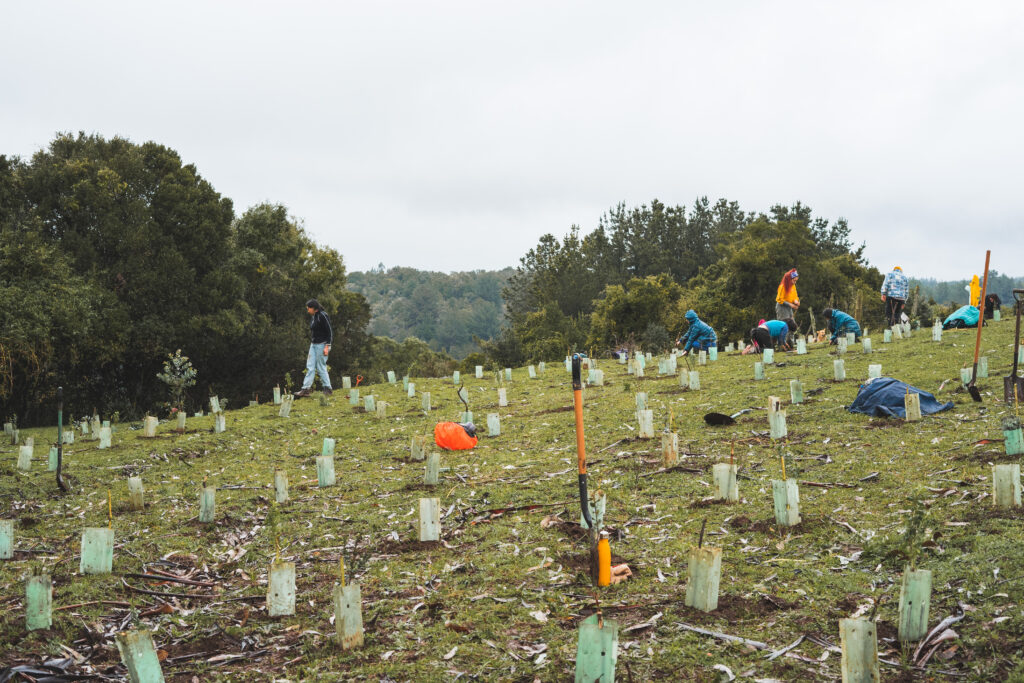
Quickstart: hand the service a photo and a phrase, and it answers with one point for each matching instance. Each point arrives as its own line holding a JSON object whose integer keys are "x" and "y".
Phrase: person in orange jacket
{"x": 787, "y": 300}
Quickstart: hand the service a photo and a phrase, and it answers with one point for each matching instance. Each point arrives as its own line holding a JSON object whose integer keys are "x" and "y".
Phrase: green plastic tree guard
{"x": 645, "y": 418}
{"x": 713, "y": 353}
{"x": 281, "y": 589}
{"x": 426, "y": 402}
{"x": 353, "y": 396}
{"x": 532, "y": 372}
{"x": 328, "y": 447}
{"x": 104, "y": 437}
{"x": 786, "y": 502}
{"x": 839, "y": 370}
{"x": 859, "y": 641}
{"x": 346, "y": 382}
{"x": 38, "y": 602}
{"x": 433, "y": 469}
{"x": 97, "y": 551}
{"x": 1013, "y": 441}
{"x": 508, "y": 373}
{"x": 983, "y": 367}
{"x": 684, "y": 379}
{"x": 796, "y": 391}
{"x": 493, "y": 424}
{"x": 277, "y": 395}
{"x": 865, "y": 344}
{"x": 280, "y": 486}
{"x": 139, "y": 656}
{"x": 694, "y": 380}
{"x": 705, "y": 571}
{"x": 669, "y": 449}
{"x": 370, "y": 403}
{"x": 768, "y": 356}
{"x": 641, "y": 400}
{"x": 874, "y": 371}
{"x": 181, "y": 420}
{"x": 801, "y": 347}
{"x": 207, "y": 504}
{"x": 135, "y": 493}
{"x": 24, "y": 458}
{"x": 417, "y": 448}
{"x": 392, "y": 378}
{"x": 219, "y": 423}
{"x": 456, "y": 377}
{"x": 598, "y": 378}
{"x": 1006, "y": 485}
{"x": 912, "y": 404}
{"x": 52, "y": 460}
{"x": 887, "y": 337}
{"x": 325, "y": 470}
{"x": 6, "y": 539}
{"x": 214, "y": 404}
{"x": 726, "y": 487}
{"x": 149, "y": 425}
{"x": 915, "y": 600}
{"x": 410, "y": 390}
{"x": 597, "y": 650}
{"x": 430, "y": 519}
{"x": 466, "y": 416}
{"x": 286, "y": 405}
{"x": 348, "y": 615}
{"x": 479, "y": 372}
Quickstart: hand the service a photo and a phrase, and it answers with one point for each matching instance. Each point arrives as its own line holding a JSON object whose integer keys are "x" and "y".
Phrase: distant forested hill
{"x": 446, "y": 310}
{"x": 954, "y": 292}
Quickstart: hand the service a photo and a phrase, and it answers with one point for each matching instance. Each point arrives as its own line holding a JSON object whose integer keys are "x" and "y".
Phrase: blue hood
{"x": 691, "y": 315}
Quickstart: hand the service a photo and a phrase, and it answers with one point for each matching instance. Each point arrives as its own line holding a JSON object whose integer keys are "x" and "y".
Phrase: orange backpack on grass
{"x": 453, "y": 436}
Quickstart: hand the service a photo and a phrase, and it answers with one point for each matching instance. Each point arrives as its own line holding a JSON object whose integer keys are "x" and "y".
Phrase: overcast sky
{"x": 451, "y": 136}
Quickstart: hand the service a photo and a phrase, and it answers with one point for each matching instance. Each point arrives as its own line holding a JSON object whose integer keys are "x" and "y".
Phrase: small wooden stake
{"x": 280, "y": 486}
{"x": 328, "y": 447}
{"x": 669, "y": 449}
{"x": 325, "y": 470}
{"x": 493, "y": 424}
{"x": 207, "y": 504}
{"x": 135, "y": 493}
{"x": 859, "y": 641}
{"x": 597, "y": 650}
{"x": 839, "y": 369}
{"x": 915, "y": 600}
{"x": 1006, "y": 486}
{"x": 786, "y": 501}
{"x": 430, "y": 519}
{"x": 348, "y": 615}
{"x": 97, "y": 551}
{"x": 796, "y": 391}
{"x": 6, "y": 539}
{"x": 645, "y": 418}
{"x": 726, "y": 486}
{"x": 433, "y": 469}
{"x": 704, "y": 569}
{"x": 281, "y": 589}
{"x": 38, "y": 602}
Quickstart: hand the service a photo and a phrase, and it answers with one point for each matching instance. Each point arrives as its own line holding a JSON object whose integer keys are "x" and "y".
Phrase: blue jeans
{"x": 316, "y": 362}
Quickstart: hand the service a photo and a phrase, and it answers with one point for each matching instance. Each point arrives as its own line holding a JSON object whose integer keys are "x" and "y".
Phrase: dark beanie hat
{"x": 827, "y": 313}
{"x": 314, "y": 304}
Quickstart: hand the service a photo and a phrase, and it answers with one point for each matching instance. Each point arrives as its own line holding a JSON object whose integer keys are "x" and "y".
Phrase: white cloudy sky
{"x": 450, "y": 136}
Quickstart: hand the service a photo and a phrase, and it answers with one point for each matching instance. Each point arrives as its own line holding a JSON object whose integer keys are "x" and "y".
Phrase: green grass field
{"x": 500, "y": 597}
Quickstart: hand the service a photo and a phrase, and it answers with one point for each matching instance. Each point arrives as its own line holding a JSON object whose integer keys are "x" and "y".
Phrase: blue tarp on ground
{"x": 883, "y": 397}
{"x": 965, "y": 316}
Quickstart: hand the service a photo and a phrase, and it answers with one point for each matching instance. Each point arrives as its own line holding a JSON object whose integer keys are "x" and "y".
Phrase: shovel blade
{"x": 1011, "y": 383}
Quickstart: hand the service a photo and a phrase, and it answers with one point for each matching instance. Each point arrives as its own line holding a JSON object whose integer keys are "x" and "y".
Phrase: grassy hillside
{"x": 500, "y": 597}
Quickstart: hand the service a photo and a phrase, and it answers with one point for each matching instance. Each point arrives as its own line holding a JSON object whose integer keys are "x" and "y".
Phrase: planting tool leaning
{"x": 972, "y": 386}
{"x": 1013, "y": 386}
{"x": 581, "y": 460}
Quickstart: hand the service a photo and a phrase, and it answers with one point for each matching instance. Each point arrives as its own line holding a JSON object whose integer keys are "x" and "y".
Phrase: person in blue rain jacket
{"x": 841, "y": 323}
{"x": 700, "y": 336}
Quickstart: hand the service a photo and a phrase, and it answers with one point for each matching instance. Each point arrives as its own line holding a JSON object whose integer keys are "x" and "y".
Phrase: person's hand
{"x": 883, "y": 298}
{"x": 327, "y": 349}
{"x": 684, "y": 353}
{"x": 796, "y": 304}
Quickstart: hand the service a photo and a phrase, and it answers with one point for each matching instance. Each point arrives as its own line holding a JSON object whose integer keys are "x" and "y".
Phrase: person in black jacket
{"x": 319, "y": 348}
